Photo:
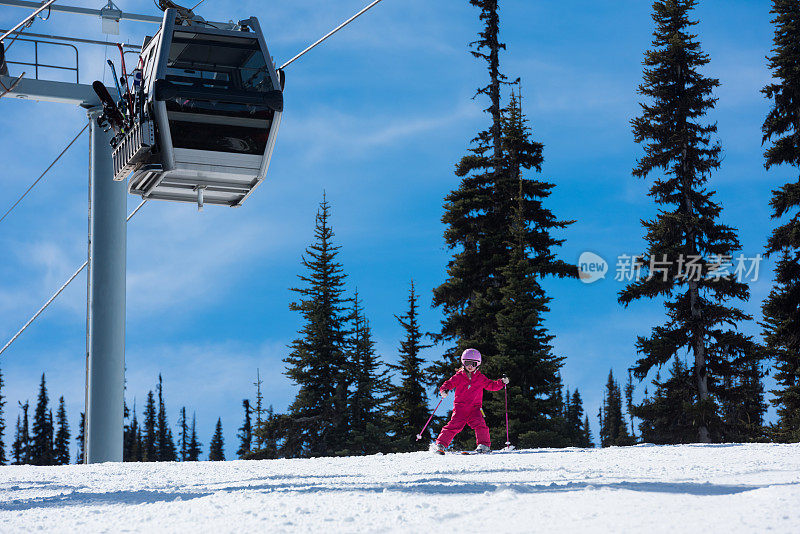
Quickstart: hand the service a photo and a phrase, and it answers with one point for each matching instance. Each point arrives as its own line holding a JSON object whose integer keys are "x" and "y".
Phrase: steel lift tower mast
{"x": 105, "y": 374}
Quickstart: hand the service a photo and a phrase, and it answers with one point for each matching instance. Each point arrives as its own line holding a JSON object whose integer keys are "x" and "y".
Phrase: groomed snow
{"x": 643, "y": 489}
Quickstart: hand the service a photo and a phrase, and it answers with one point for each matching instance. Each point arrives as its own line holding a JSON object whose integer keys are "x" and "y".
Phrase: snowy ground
{"x": 717, "y": 488}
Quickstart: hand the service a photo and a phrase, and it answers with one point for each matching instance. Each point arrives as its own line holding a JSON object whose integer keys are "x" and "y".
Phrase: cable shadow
{"x": 114, "y": 497}
{"x": 445, "y": 486}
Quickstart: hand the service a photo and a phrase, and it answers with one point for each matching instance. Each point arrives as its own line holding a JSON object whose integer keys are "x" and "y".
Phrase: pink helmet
{"x": 471, "y": 354}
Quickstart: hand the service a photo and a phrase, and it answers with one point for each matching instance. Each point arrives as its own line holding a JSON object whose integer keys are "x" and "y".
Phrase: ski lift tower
{"x": 105, "y": 365}
{"x": 200, "y": 128}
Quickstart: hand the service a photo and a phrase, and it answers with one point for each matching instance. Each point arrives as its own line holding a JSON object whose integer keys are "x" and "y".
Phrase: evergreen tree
{"x": 3, "y": 458}
{"x": 216, "y": 452}
{"x": 272, "y": 435}
{"x": 586, "y": 438}
{"x": 132, "y": 448}
{"x": 42, "y": 430}
{"x": 81, "y": 440}
{"x": 782, "y": 308}
{"x": 524, "y": 344}
{"x": 183, "y": 435}
{"x": 61, "y": 442}
{"x": 480, "y": 215}
{"x": 666, "y": 417}
{"x": 259, "y": 409}
{"x": 195, "y": 449}
{"x": 165, "y": 445}
{"x": 613, "y": 428}
{"x": 317, "y": 362}
{"x": 576, "y": 432}
{"x": 21, "y": 448}
{"x": 629, "y": 389}
{"x": 685, "y": 240}
{"x": 25, "y": 440}
{"x": 409, "y": 402}
{"x": 366, "y": 403}
{"x": 149, "y": 436}
{"x": 245, "y": 432}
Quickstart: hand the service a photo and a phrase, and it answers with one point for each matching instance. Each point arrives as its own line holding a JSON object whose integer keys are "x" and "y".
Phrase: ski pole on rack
{"x": 505, "y": 393}
{"x": 419, "y": 436}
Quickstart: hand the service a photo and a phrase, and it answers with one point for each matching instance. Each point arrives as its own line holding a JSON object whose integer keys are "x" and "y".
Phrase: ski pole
{"x": 419, "y": 436}
{"x": 505, "y": 393}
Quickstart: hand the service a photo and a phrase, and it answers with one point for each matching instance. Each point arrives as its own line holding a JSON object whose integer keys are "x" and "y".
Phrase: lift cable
{"x": 27, "y": 21}
{"x": 330, "y": 33}
{"x": 60, "y": 290}
{"x": 42, "y": 175}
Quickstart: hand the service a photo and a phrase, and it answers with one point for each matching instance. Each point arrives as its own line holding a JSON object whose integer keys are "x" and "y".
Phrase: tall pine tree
{"x": 80, "y": 440}
{"x": 317, "y": 362}
{"x": 216, "y": 447}
{"x": 666, "y": 416}
{"x": 42, "y": 429}
{"x": 686, "y": 232}
{"x": 149, "y": 436}
{"x": 61, "y": 442}
{"x": 782, "y": 130}
{"x": 3, "y": 458}
{"x": 366, "y": 403}
{"x": 259, "y": 409}
{"x": 523, "y": 342}
{"x": 21, "y": 448}
{"x": 245, "y": 432}
{"x": 613, "y": 427}
{"x": 183, "y": 435}
{"x": 470, "y": 297}
{"x": 409, "y": 402}
{"x": 165, "y": 445}
{"x": 195, "y": 449}
{"x": 480, "y": 215}
{"x": 132, "y": 447}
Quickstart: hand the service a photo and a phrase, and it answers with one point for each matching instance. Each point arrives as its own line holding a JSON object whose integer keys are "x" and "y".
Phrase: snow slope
{"x": 643, "y": 489}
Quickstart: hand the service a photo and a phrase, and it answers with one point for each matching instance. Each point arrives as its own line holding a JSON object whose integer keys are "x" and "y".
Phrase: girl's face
{"x": 471, "y": 365}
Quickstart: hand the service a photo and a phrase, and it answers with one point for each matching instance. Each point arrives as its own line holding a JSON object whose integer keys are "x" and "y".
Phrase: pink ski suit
{"x": 467, "y": 406}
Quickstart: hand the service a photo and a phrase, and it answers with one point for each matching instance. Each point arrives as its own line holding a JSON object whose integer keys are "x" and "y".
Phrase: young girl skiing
{"x": 468, "y": 384}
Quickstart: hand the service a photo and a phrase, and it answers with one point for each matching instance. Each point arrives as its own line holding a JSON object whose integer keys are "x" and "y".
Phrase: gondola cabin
{"x": 204, "y": 117}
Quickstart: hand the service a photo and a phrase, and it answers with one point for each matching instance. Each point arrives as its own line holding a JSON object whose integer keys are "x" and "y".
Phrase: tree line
{"x": 41, "y": 439}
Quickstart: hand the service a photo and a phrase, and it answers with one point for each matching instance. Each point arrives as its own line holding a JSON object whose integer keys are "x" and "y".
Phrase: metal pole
{"x": 107, "y": 256}
{"x": 29, "y": 17}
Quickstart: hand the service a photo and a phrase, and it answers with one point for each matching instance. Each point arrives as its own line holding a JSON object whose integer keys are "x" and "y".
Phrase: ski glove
{"x": 442, "y": 393}
{"x": 504, "y": 380}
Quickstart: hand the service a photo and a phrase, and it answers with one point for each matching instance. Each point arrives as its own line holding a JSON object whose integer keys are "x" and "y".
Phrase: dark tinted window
{"x": 219, "y": 62}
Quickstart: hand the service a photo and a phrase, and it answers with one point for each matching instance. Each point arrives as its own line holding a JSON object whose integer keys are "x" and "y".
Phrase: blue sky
{"x": 377, "y": 118}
